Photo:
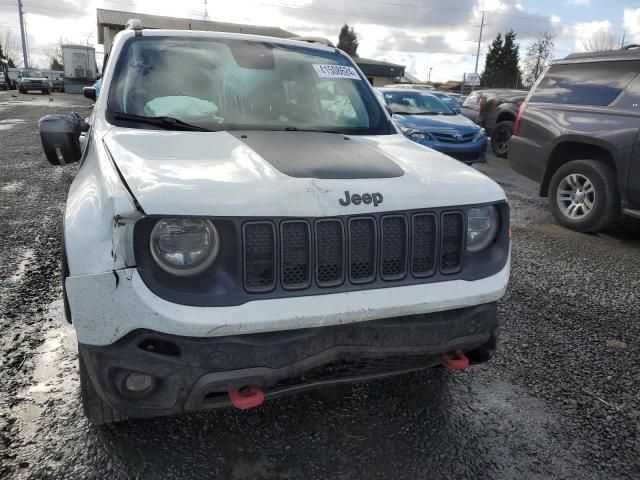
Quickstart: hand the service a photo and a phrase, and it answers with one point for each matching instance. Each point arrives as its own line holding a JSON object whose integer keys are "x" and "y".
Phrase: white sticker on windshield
{"x": 336, "y": 71}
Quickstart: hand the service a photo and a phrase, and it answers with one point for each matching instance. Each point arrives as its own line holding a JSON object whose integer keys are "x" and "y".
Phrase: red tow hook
{"x": 459, "y": 362}
{"x": 249, "y": 398}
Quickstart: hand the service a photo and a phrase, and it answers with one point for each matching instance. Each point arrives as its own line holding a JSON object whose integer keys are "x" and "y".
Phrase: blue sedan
{"x": 427, "y": 120}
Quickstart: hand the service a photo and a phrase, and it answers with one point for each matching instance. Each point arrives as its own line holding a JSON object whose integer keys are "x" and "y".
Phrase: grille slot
{"x": 362, "y": 249}
{"x": 450, "y": 137}
{"x": 330, "y": 248}
{"x": 295, "y": 255}
{"x": 452, "y": 242}
{"x": 393, "y": 255}
{"x": 423, "y": 245}
{"x": 259, "y": 256}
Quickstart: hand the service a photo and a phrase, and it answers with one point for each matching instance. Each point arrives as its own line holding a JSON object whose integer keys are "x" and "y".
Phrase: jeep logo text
{"x": 357, "y": 199}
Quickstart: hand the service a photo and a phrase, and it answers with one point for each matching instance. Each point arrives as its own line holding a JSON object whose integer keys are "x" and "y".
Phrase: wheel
{"x": 583, "y": 195}
{"x": 500, "y": 138}
{"x": 97, "y": 411}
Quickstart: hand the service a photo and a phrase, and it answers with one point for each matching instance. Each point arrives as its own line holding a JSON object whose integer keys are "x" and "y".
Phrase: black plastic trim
{"x": 407, "y": 248}
{"x": 374, "y": 263}
{"x": 436, "y": 245}
{"x": 272, "y": 285}
{"x": 223, "y": 283}
{"x": 340, "y": 281}
{"x": 463, "y": 234}
{"x": 310, "y": 255}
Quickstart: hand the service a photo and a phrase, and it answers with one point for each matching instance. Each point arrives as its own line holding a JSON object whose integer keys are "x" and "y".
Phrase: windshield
{"x": 415, "y": 103}
{"x": 449, "y": 101}
{"x": 230, "y": 84}
{"x": 31, "y": 73}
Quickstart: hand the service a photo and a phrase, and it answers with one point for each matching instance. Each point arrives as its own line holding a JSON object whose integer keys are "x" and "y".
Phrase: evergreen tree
{"x": 492, "y": 59}
{"x": 348, "y": 40}
{"x": 502, "y": 69}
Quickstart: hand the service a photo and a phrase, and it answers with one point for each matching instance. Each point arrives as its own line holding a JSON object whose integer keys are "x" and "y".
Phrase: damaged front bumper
{"x": 190, "y": 374}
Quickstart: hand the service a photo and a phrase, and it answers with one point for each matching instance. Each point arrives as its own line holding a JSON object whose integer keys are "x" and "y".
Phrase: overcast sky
{"x": 421, "y": 34}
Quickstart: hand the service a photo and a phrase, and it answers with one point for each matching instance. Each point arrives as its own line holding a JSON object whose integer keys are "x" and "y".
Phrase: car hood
{"x": 436, "y": 122}
{"x": 287, "y": 173}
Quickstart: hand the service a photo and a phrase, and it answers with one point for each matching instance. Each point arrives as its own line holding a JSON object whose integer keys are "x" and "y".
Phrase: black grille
{"x": 453, "y": 137}
{"x": 325, "y": 253}
{"x": 393, "y": 263}
{"x": 423, "y": 242}
{"x": 295, "y": 255}
{"x": 452, "y": 242}
{"x": 329, "y": 253}
{"x": 362, "y": 250}
{"x": 465, "y": 156}
{"x": 259, "y": 256}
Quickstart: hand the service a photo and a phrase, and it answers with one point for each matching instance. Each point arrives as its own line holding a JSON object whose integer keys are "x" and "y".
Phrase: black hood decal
{"x": 319, "y": 155}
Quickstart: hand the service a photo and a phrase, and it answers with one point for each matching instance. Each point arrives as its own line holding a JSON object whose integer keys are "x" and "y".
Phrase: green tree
{"x": 348, "y": 40}
{"x": 502, "y": 69}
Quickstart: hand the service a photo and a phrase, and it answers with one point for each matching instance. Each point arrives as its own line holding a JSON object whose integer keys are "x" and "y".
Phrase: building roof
{"x": 378, "y": 68}
{"x": 118, "y": 19}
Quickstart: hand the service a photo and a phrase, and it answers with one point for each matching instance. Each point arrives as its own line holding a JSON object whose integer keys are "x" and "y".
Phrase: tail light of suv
{"x": 516, "y": 127}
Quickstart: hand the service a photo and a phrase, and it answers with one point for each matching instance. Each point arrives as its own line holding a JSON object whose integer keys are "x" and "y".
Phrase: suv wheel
{"x": 500, "y": 138}
{"x": 98, "y": 412}
{"x": 583, "y": 195}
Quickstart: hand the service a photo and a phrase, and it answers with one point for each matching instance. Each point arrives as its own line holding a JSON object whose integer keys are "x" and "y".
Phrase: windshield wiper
{"x": 168, "y": 123}
{"x": 296, "y": 129}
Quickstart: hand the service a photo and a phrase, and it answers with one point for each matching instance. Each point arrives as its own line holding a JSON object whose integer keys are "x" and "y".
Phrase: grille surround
{"x": 251, "y": 283}
{"x": 356, "y": 260}
{"x": 401, "y": 244}
{"x": 292, "y": 268}
{"x": 323, "y": 274}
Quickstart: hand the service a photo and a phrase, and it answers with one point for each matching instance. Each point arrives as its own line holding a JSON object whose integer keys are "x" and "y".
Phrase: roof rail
{"x": 320, "y": 40}
{"x": 134, "y": 24}
{"x": 633, "y": 46}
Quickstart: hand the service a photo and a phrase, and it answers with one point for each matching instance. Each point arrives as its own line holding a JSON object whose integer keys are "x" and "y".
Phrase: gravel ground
{"x": 561, "y": 399}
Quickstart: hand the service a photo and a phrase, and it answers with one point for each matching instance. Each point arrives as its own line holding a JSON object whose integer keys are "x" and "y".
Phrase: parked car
{"x": 497, "y": 112}
{"x": 471, "y": 106}
{"x": 458, "y": 97}
{"x": 448, "y": 100}
{"x": 13, "y": 77}
{"x": 31, "y": 79}
{"x": 237, "y": 239}
{"x": 577, "y": 135}
{"x": 427, "y": 120}
{"x": 415, "y": 86}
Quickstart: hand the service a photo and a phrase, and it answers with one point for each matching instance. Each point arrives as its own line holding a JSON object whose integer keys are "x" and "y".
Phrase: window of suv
{"x": 233, "y": 84}
{"x": 592, "y": 83}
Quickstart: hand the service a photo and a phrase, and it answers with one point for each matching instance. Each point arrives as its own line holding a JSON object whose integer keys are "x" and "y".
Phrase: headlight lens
{"x": 184, "y": 246}
{"x": 482, "y": 227}
{"x": 481, "y": 134}
{"x": 415, "y": 135}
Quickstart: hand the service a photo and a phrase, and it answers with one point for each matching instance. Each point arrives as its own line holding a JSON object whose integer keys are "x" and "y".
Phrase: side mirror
{"x": 60, "y": 136}
{"x": 98, "y": 76}
{"x": 90, "y": 93}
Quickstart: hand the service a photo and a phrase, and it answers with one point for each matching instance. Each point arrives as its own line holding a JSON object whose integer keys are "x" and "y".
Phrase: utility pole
{"x": 479, "y": 42}
{"x": 24, "y": 39}
{"x": 206, "y": 14}
{"x": 624, "y": 34}
{"x": 429, "y": 80}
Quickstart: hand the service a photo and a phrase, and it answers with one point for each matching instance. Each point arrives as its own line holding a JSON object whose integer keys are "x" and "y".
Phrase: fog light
{"x": 138, "y": 382}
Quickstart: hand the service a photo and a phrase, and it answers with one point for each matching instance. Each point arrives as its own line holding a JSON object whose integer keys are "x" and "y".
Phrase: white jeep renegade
{"x": 247, "y": 222}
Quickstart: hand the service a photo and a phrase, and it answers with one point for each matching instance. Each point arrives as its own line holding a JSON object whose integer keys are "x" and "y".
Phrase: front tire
{"x": 583, "y": 195}
{"x": 97, "y": 411}
{"x": 500, "y": 138}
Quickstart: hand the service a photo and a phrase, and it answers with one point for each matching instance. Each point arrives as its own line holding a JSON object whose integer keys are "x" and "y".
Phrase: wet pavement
{"x": 561, "y": 399}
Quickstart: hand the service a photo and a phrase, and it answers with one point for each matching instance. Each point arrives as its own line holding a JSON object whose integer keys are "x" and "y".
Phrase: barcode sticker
{"x": 336, "y": 71}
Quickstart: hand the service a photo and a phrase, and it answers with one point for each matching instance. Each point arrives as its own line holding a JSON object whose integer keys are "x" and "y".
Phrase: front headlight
{"x": 415, "y": 135}
{"x": 184, "y": 246}
{"x": 482, "y": 227}
{"x": 481, "y": 134}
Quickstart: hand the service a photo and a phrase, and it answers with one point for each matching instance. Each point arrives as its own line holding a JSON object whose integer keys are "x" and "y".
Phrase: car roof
{"x": 412, "y": 90}
{"x": 238, "y": 36}
{"x": 630, "y": 52}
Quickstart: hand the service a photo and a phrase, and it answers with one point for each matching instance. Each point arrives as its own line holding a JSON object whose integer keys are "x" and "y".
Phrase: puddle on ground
{"x": 48, "y": 383}
{"x": 22, "y": 266}
{"x": 11, "y": 187}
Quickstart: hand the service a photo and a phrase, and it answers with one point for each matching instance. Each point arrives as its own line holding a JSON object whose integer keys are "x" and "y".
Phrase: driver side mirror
{"x": 60, "y": 136}
{"x": 90, "y": 93}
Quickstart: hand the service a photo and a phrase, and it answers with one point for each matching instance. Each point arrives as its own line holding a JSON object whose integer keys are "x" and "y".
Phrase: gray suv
{"x": 577, "y": 135}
